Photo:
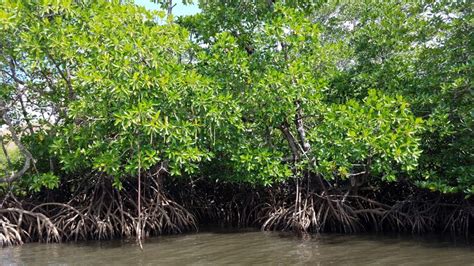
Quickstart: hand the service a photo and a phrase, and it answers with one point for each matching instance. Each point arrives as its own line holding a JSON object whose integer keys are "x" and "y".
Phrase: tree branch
{"x": 284, "y": 127}
{"x": 5, "y": 152}
{"x": 300, "y": 127}
{"x": 28, "y": 157}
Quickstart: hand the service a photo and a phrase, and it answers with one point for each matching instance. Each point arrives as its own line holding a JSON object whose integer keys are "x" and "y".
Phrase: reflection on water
{"x": 248, "y": 247}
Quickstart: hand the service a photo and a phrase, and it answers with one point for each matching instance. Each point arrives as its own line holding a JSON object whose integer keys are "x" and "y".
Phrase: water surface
{"x": 248, "y": 247}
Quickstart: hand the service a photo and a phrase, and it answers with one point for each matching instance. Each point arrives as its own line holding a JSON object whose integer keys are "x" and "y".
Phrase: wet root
{"x": 18, "y": 225}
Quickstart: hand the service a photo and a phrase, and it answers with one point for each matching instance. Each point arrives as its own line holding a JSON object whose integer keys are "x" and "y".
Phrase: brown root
{"x": 411, "y": 215}
{"x": 163, "y": 215}
{"x": 221, "y": 204}
{"x": 102, "y": 212}
{"x": 10, "y": 234}
{"x": 327, "y": 210}
{"x": 98, "y": 211}
{"x": 18, "y": 225}
{"x": 314, "y": 213}
{"x": 460, "y": 219}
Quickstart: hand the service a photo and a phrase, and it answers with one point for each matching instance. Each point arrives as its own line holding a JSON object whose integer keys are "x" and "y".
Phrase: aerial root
{"x": 102, "y": 212}
{"x": 18, "y": 225}
{"x": 98, "y": 212}
{"x": 314, "y": 213}
{"x": 10, "y": 234}
{"x": 354, "y": 213}
{"x": 222, "y": 204}
{"x": 460, "y": 219}
{"x": 326, "y": 210}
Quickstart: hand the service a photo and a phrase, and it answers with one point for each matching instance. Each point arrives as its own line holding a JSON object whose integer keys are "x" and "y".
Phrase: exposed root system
{"x": 349, "y": 213}
{"x": 18, "y": 225}
{"x": 98, "y": 211}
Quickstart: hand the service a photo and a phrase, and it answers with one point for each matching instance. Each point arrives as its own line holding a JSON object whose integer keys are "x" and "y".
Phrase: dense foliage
{"x": 420, "y": 50}
{"x": 115, "y": 95}
{"x": 130, "y": 97}
{"x": 423, "y": 51}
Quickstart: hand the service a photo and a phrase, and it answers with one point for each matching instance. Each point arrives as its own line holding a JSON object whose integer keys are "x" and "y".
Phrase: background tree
{"x": 420, "y": 50}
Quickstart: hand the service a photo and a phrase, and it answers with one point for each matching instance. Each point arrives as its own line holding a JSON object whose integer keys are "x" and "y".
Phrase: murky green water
{"x": 248, "y": 248}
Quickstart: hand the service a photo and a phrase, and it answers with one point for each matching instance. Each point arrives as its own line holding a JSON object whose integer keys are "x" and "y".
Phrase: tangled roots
{"x": 327, "y": 210}
{"x": 222, "y": 204}
{"x": 354, "y": 213}
{"x": 163, "y": 215}
{"x": 102, "y": 212}
{"x": 18, "y": 225}
{"x": 98, "y": 212}
{"x": 412, "y": 215}
{"x": 10, "y": 234}
{"x": 460, "y": 219}
{"x": 314, "y": 213}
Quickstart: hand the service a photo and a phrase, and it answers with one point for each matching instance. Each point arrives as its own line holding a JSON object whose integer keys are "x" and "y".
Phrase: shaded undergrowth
{"x": 97, "y": 211}
{"x": 305, "y": 208}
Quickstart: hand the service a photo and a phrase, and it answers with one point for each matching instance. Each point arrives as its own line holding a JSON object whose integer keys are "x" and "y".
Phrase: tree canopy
{"x": 245, "y": 91}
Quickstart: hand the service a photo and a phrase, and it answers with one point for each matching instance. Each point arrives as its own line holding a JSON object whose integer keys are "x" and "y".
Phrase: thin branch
{"x": 25, "y": 114}
{"x": 28, "y": 157}
{"x": 13, "y": 72}
{"x": 291, "y": 140}
{"x": 66, "y": 77}
{"x": 5, "y": 152}
{"x": 300, "y": 127}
